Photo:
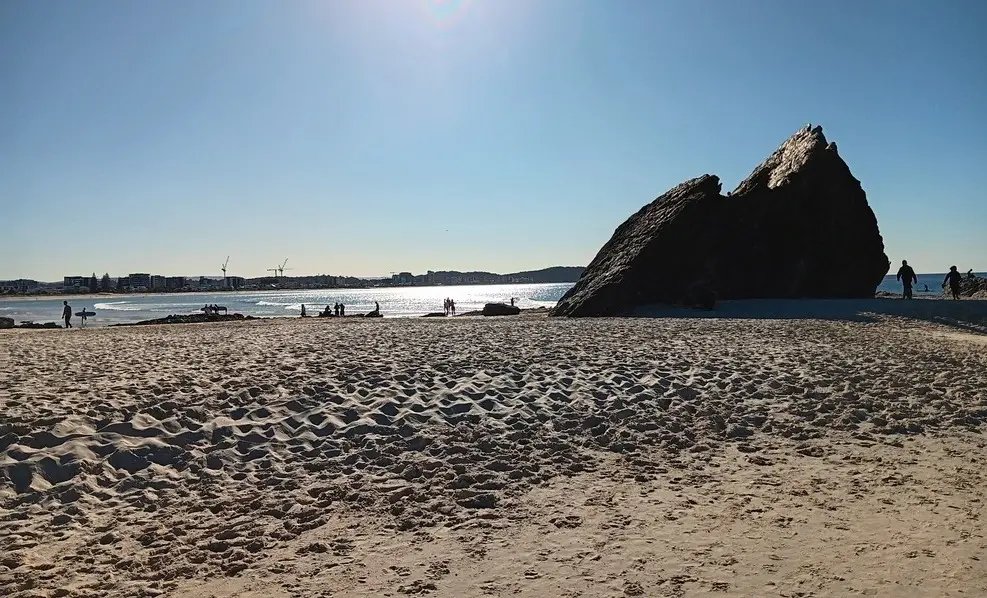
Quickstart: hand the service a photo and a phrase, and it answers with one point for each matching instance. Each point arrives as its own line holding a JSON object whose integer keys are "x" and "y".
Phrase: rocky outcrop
{"x": 500, "y": 309}
{"x": 798, "y": 226}
{"x": 190, "y": 319}
{"x": 38, "y": 326}
{"x": 6, "y": 322}
{"x": 975, "y": 287}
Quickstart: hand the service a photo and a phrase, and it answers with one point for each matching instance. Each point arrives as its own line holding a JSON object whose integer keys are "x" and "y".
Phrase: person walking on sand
{"x": 953, "y": 277}
{"x": 452, "y": 307}
{"x": 906, "y": 275}
{"x": 83, "y": 316}
{"x": 342, "y": 310}
{"x": 67, "y": 313}
{"x": 303, "y": 310}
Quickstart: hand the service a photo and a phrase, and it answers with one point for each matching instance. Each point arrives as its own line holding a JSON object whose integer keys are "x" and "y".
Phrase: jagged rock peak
{"x": 788, "y": 159}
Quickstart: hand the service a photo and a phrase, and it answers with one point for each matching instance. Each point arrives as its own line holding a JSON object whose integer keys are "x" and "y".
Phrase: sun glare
{"x": 445, "y": 13}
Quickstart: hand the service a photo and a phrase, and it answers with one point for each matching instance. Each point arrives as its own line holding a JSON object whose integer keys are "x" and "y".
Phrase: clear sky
{"x": 368, "y": 136}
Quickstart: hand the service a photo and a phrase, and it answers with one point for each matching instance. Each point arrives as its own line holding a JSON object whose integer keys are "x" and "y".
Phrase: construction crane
{"x": 226, "y": 281}
{"x": 281, "y": 268}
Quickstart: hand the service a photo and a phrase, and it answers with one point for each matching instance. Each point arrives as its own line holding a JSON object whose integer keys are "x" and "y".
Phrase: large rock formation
{"x": 798, "y": 226}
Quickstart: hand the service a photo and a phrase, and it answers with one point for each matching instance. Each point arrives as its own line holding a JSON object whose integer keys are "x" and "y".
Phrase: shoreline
{"x": 967, "y": 313}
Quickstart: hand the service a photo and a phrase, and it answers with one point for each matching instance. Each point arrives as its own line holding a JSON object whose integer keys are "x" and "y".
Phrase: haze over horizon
{"x": 368, "y": 136}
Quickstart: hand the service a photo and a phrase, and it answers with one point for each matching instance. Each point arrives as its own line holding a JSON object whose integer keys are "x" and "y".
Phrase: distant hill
{"x": 553, "y": 274}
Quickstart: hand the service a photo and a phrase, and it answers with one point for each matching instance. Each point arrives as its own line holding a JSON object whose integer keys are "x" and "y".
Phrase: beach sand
{"x": 829, "y": 456}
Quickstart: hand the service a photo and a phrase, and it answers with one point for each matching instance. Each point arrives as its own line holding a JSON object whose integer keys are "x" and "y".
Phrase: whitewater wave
{"x": 272, "y": 304}
{"x": 118, "y": 306}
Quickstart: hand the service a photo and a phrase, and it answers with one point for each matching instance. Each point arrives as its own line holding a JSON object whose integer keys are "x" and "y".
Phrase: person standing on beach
{"x": 906, "y": 275}
{"x": 67, "y": 313}
{"x": 342, "y": 310}
{"x": 953, "y": 277}
{"x": 303, "y": 310}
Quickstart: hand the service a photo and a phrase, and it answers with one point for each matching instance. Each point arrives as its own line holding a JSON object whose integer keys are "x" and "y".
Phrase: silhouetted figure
{"x": 335, "y": 308}
{"x": 67, "y": 313}
{"x": 970, "y": 274}
{"x": 906, "y": 275}
{"x": 512, "y": 301}
{"x": 926, "y": 288}
{"x": 327, "y": 311}
{"x": 953, "y": 277}
{"x": 376, "y": 307}
{"x": 445, "y": 306}
{"x": 83, "y": 316}
{"x": 303, "y": 310}
{"x": 452, "y": 307}
{"x": 342, "y": 310}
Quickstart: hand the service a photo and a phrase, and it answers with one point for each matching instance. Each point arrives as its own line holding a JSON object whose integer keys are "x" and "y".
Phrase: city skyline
{"x": 372, "y": 136}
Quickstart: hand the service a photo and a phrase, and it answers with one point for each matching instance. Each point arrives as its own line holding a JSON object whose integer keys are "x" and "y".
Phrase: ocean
{"x": 394, "y": 302}
{"x": 934, "y": 282}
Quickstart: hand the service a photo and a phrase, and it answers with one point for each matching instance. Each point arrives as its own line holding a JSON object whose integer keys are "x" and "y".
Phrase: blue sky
{"x": 369, "y": 136}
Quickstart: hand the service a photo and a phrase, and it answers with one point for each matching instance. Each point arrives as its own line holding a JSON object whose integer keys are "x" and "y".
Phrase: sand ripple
{"x": 131, "y": 458}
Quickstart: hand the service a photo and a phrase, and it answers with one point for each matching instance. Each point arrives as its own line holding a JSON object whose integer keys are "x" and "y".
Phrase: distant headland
{"x": 155, "y": 283}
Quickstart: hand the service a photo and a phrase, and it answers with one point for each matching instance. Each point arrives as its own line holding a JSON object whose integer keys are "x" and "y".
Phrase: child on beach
{"x": 953, "y": 277}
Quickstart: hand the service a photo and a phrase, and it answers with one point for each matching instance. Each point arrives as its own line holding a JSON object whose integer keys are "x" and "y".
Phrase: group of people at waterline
{"x": 67, "y": 315}
{"x": 906, "y": 274}
{"x": 337, "y": 310}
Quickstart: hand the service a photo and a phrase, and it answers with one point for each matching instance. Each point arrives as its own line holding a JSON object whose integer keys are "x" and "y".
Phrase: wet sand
{"x": 520, "y": 456}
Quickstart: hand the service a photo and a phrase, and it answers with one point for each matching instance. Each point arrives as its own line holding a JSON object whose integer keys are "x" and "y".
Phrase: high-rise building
{"x": 72, "y": 282}
{"x": 140, "y": 280}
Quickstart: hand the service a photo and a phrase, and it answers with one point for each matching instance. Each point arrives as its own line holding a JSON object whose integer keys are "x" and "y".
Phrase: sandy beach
{"x": 798, "y": 449}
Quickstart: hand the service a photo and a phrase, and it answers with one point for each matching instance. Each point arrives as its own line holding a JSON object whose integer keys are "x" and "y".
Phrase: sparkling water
{"x": 394, "y": 302}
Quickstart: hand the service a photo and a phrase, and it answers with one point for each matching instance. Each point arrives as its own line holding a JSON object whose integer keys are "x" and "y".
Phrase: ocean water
{"x": 934, "y": 282}
{"x": 394, "y": 302}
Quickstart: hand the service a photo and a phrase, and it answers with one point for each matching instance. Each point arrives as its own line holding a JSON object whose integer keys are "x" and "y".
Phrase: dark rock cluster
{"x": 500, "y": 309}
{"x": 190, "y": 319}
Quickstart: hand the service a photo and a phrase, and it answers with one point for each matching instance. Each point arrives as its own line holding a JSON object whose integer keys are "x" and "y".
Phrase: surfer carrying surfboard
{"x": 67, "y": 313}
